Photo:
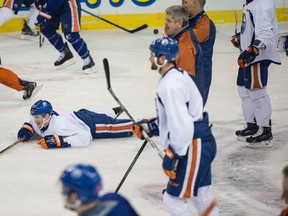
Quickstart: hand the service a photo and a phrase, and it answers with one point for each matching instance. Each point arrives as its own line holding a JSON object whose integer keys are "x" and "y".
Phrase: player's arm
{"x": 26, "y": 132}
{"x": 180, "y": 126}
{"x": 263, "y": 36}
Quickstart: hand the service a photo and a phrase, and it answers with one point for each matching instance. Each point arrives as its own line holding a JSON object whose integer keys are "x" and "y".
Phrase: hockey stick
{"x": 131, "y": 166}
{"x": 111, "y": 23}
{"x": 209, "y": 208}
{"x": 236, "y": 21}
{"x": 107, "y": 74}
{"x": 41, "y": 38}
{"x": 10, "y": 146}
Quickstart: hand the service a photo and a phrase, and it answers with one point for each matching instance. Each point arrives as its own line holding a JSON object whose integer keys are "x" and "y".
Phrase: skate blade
{"x": 263, "y": 144}
{"x": 29, "y": 37}
{"x": 90, "y": 70}
{"x": 241, "y": 138}
{"x": 66, "y": 64}
{"x": 35, "y": 92}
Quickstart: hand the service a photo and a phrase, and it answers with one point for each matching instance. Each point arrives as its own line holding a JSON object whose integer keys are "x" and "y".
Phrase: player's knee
{"x": 72, "y": 37}
{"x": 255, "y": 94}
{"x": 49, "y": 32}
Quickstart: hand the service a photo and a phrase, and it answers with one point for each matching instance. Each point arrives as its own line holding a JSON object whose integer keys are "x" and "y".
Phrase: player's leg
{"x": 71, "y": 17}
{"x": 203, "y": 200}
{"x": 202, "y": 195}
{"x": 182, "y": 188}
{"x": 11, "y": 80}
{"x": 104, "y": 126}
{"x": 248, "y": 113}
{"x": 176, "y": 206}
{"x": 5, "y": 15}
{"x": 49, "y": 31}
{"x": 261, "y": 104}
{"x": 28, "y": 29}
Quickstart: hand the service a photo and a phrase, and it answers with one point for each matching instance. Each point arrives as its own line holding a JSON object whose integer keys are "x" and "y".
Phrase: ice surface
{"x": 245, "y": 181}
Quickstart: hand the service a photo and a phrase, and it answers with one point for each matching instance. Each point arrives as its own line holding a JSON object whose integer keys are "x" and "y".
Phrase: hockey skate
{"x": 28, "y": 33}
{"x": 263, "y": 138}
{"x": 89, "y": 65}
{"x": 30, "y": 89}
{"x": 65, "y": 59}
{"x": 281, "y": 39}
{"x": 249, "y": 130}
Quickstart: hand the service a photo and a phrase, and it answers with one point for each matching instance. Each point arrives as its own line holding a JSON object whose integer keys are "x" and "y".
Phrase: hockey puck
{"x": 155, "y": 31}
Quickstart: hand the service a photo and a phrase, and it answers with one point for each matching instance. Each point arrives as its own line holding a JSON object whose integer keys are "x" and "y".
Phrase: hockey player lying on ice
{"x": 76, "y": 129}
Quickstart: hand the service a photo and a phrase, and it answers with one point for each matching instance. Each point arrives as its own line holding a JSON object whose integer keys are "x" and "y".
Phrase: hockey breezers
{"x": 107, "y": 74}
{"x": 111, "y": 23}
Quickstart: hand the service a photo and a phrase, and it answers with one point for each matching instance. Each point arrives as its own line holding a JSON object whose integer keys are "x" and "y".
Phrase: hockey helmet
{"x": 82, "y": 179}
{"x": 41, "y": 107}
{"x": 165, "y": 46}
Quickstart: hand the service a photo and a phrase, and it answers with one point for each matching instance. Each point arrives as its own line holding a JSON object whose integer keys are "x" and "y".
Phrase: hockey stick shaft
{"x": 209, "y": 208}
{"x": 107, "y": 73}
{"x": 236, "y": 21}
{"x": 131, "y": 166}
{"x": 111, "y": 23}
{"x": 10, "y": 146}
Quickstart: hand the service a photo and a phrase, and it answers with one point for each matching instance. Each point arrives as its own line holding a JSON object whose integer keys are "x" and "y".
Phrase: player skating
{"x": 11, "y": 80}
{"x": 184, "y": 133}
{"x": 11, "y": 8}
{"x": 257, "y": 42}
{"x": 76, "y": 129}
{"x": 68, "y": 13}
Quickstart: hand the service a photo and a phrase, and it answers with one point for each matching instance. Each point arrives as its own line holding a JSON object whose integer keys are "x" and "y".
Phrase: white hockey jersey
{"x": 179, "y": 104}
{"x": 74, "y": 131}
{"x": 259, "y": 22}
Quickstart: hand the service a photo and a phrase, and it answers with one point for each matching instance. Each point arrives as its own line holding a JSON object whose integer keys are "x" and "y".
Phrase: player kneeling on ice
{"x": 76, "y": 129}
{"x": 184, "y": 133}
{"x": 81, "y": 184}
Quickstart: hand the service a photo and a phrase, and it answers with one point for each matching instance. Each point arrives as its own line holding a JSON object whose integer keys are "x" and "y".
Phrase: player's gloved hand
{"x": 286, "y": 46}
{"x": 26, "y": 132}
{"x": 247, "y": 56}
{"x": 43, "y": 19}
{"x": 170, "y": 162}
{"x": 149, "y": 125}
{"x": 52, "y": 141}
{"x": 236, "y": 40}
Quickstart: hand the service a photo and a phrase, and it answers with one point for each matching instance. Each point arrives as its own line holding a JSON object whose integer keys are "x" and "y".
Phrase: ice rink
{"x": 246, "y": 182}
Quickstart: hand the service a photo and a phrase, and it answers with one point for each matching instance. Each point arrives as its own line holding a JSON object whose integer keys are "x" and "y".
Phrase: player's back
{"x": 111, "y": 204}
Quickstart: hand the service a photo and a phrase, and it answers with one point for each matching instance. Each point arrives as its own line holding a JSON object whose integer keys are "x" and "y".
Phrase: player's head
{"x": 41, "y": 112}
{"x": 193, "y": 6}
{"x": 81, "y": 185}
{"x": 285, "y": 184}
{"x": 167, "y": 47}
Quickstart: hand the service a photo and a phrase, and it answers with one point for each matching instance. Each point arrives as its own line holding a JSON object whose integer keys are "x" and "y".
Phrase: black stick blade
{"x": 107, "y": 72}
{"x": 139, "y": 28}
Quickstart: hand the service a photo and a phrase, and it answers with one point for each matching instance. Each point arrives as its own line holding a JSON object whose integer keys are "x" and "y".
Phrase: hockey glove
{"x": 170, "y": 163}
{"x": 236, "y": 40}
{"x": 26, "y": 132}
{"x": 247, "y": 56}
{"x": 43, "y": 19}
{"x": 149, "y": 125}
{"x": 52, "y": 141}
